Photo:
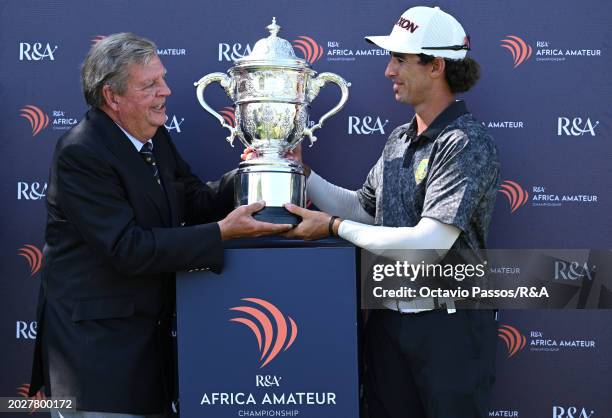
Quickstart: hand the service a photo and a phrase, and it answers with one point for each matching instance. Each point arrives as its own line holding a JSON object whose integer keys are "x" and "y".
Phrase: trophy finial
{"x": 273, "y": 28}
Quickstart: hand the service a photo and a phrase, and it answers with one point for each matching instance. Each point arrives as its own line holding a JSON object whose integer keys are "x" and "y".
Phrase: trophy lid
{"x": 272, "y": 50}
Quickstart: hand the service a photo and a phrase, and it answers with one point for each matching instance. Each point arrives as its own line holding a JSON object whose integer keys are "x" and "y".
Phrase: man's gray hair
{"x": 108, "y": 61}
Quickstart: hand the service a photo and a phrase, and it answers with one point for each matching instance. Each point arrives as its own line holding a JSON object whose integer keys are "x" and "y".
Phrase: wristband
{"x": 330, "y": 227}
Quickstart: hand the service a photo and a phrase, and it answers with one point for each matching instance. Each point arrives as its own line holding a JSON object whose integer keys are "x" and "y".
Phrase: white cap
{"x": 426, "y": 30}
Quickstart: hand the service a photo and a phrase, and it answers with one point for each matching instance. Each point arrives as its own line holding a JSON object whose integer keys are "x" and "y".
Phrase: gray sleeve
{"x": 367, "y": 193}
{"x": 336, "y": 200}
{"x": 462, "y": 172}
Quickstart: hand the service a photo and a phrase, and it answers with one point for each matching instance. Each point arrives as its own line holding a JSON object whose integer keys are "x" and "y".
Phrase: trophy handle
{"x": 225, "y": 82}
{"x": 315, "y": 86}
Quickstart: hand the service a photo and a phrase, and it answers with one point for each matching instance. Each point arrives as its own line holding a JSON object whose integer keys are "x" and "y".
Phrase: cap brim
{"x": 392, "y": 45}
{"x": 386, "y": 42}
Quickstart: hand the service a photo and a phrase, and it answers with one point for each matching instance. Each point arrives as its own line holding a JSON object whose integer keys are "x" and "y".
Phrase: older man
{"x": 433, "y": 188}
{"x": 124, "y": 213}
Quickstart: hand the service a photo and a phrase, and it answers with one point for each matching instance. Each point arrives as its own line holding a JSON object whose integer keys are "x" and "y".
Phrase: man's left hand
{"x": 314, "y": 225}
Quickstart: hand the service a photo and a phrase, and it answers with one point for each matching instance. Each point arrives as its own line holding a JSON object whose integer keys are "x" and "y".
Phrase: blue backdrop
{"x": 544, "y": 95}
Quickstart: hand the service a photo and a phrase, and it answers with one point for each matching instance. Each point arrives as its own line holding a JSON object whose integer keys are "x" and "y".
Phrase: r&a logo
{"x": 366, "y": 125}
{"x": 519, "y": 49}
{"x": 174, "y": 124}
{"x": 566, "y": 270}
{"x": 233, "y": 52}
{"x": 33, "y": 256}
{"x": 577, "y": 128}
{"x": 512, "y": 337}
{"x": 37, "y": 118}
{"x": 571, "y": 412}
{"x": 36, "y": 51}
{"x": 311, "y": 50}
{"x": 31, "y": 191}
{"x": 25, "y": 330}
{"x": 517, "y": 196}
{"x": 274, "y": 337}
{"x": 267, "y": 381}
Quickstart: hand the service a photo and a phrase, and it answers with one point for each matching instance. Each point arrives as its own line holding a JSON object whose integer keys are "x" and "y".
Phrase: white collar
{"x": 138, "y": 144}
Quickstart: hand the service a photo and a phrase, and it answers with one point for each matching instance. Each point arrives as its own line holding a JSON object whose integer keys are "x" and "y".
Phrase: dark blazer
{"x": 114, "y": 239}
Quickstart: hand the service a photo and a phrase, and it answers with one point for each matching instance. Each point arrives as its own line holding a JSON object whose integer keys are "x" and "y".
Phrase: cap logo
{"x": 406, "y": 24}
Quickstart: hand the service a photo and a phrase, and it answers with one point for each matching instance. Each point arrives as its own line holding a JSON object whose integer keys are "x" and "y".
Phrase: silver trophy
{"x": 271, "y": 89}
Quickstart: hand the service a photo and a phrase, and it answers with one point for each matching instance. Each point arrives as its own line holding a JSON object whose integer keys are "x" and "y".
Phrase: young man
{"x": 434, "y": 187}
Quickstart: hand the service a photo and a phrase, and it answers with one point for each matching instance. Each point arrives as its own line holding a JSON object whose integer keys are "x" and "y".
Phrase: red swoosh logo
{"x": 514, "y": 340}
{"x": 517, "y": 196}
{"x": 229, "y": 116}
{"x": 24, "y": 390}
{"x": 519, "y": 49}
{"x": 37, "y": 118}
{"x": 271, "y": 337}
{"x": 97, "y": 39}
{"x": 33, "y": 256}
{"x": 311, "y": 50}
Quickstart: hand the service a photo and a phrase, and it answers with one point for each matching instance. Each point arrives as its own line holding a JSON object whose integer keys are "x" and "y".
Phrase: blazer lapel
{"x": 165, "y": 159}
{"x": 121, "y": 146}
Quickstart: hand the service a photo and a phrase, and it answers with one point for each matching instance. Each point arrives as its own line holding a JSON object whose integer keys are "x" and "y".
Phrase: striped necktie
{"x": 147, "y": 154}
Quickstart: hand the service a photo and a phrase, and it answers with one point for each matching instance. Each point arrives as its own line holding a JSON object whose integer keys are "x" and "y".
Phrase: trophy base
{"x": 276, "y": 181}
{"x": 277, "y": 215}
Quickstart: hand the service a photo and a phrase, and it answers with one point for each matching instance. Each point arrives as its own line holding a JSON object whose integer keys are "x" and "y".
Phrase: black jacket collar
{"x": 448, "y": 115}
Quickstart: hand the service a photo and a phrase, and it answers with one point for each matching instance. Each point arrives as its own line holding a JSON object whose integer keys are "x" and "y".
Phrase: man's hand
{"x": 295, "y": 154}
{"x": 248, "y": 154}
{"x": 314, "y": 225}
{"x": 239, "y": 223}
